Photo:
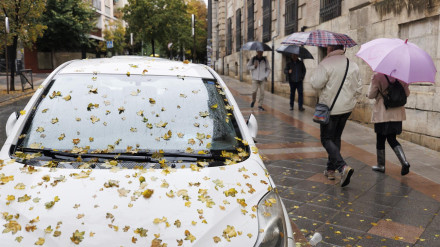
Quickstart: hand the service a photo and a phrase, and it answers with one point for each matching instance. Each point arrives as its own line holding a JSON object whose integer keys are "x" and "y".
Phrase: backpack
{"x": 395, "y": 95}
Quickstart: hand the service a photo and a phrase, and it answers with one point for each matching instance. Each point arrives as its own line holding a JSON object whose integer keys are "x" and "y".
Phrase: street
{"x": 5, "y": 111}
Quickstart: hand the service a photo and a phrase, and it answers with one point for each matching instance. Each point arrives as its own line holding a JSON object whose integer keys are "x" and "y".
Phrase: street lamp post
{"x": 193, "y": 24}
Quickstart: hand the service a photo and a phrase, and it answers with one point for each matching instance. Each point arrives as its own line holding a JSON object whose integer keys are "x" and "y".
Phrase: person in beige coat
{"x": 387, "y": 122}
{"x": 327, "y": 79}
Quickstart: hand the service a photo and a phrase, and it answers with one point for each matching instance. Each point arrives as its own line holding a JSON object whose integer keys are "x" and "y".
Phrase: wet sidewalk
{"x": 18, "y": 93}
{"x": 375, "y": 209}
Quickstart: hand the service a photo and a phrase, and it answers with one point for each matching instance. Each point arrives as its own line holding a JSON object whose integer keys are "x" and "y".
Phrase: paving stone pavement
{"x": 375, "y": 209}
{"x": 6, "y": 98}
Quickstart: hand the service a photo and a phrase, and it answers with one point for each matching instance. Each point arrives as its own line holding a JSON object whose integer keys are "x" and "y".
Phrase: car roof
{"x": 136, "y": 65}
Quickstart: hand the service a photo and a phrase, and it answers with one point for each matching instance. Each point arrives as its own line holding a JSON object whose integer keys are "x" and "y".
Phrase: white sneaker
{"x": 346, "y": 173}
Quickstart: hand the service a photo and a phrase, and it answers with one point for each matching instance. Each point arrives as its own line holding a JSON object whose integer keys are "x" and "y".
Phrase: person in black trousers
{"x": 295, "y": 71}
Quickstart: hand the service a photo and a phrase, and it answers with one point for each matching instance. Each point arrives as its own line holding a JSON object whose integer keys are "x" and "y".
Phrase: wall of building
{"x": 363, "y": 20}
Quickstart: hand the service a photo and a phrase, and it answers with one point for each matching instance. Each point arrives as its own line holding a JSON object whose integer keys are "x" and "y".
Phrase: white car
{"x": 133, "y": 151}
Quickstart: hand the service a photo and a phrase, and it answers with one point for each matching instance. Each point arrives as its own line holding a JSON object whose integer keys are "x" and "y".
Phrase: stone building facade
{"x": 234, "y": 22}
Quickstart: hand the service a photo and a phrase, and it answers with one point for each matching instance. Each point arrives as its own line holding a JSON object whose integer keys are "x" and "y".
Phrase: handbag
{"x": 322, "y": 112}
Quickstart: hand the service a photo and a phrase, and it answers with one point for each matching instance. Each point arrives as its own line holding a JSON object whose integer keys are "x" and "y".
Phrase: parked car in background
{"x": 130, "y": 151}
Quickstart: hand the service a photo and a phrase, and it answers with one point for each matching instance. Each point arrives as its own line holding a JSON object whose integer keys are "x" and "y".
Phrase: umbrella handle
{"x": 394, "y": 70}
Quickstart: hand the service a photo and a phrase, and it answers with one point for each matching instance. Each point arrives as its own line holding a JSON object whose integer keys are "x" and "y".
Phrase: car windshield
{"x": 108, "y": 113}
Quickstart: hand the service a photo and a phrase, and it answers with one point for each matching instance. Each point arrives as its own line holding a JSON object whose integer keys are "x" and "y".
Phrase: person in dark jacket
{"x": 296, "y": 71}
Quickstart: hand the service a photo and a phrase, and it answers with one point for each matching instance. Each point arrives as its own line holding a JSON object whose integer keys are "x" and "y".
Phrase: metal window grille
{"x": 229, "y": 38}
{"x": 250, "y": 17}
{"x": 330, "y": 9}
{"x": 267, "y": 20}
{"x": 291, "y": 17}
{"x": 238, "y": 30}
{"x": 217, "y": 50}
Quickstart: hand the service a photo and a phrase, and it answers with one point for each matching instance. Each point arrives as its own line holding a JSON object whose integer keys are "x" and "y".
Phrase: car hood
{"x": 195, "y": 207}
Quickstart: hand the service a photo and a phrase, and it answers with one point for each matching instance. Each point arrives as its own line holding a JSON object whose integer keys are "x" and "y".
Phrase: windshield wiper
{"x": 73, "y": 156}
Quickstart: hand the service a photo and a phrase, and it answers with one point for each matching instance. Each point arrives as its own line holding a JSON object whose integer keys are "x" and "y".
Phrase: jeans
{"x": 293, "y": 87}
{"x": 331, "y": 140}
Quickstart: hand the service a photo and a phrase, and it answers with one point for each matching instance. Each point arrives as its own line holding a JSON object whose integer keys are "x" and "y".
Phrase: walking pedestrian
{"x": 260, "y": 69}
{"x": 327, "y": 79}
{"x": 296, "y": 71}
{"x": 387, "y": 122}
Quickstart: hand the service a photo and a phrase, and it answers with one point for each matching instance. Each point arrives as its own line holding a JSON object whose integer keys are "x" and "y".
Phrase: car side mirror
{"x": 252, "y": 125}
{"x": 11, "y": 122}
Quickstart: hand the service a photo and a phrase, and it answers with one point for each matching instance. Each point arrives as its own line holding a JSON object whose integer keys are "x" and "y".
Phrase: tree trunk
{"x": 13, "y": 56}
{"x": 52, "y": 57}
{"x": 181, "y": 52}
{"x": 152, "y": 44}
{"x": 83, "y": 52}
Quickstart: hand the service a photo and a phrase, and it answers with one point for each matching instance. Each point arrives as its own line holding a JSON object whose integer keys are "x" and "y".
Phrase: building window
{"x": 250, "y": 17}
{"x": 96, "y": 4}
{"x": 107, "y": 7}
{"x": 330, "y": 9}
{"x": 238, "y": 30}
{"x": 267, "y": 20}
{"x": 229, "y": 38}
{"x": 291, "y": 17}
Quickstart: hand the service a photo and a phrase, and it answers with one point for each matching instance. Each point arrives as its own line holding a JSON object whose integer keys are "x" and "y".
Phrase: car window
{"x": 131, "y": 113}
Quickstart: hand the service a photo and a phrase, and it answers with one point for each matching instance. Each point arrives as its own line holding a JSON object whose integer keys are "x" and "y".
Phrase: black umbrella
{"x": 256, "y": 46}
{"x": 293, "y": 49}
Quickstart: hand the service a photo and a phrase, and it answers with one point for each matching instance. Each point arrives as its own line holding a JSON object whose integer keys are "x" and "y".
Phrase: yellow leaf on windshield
{"x": 40, "y": 241}
{"x": 94, "y": 119}
{"x": 61, "y": 137}
{"x": 147, "y": 193}
{"x": 77, "y": 237}
{"x": 189, "y": 236}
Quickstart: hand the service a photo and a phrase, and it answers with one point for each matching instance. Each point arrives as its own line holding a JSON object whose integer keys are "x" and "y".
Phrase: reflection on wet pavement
{"x": 375, "y": 209}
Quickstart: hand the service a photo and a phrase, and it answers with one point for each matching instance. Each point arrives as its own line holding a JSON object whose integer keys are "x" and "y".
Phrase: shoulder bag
{"x": 322, "y": 112}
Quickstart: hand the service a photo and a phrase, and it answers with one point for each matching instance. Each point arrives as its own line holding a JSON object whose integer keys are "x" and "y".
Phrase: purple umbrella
{"x": 400, "y": 59}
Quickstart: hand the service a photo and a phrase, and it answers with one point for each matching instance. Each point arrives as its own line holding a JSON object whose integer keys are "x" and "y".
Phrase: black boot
{"x": 380, "y": 161}
{"x": 401, "y": 155}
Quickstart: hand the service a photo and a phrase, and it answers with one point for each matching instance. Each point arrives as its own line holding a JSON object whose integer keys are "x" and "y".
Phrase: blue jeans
{"x": 331, "y": 140}
{"x": 293, "y": 87}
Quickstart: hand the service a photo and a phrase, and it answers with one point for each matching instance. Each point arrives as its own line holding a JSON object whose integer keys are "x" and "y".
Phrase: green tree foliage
{"x": 69, "y": 23}
{"x": 168, "y": 21}
{"x": 155, "y": 20}
{"x": 24, "y": 25}
{"x": 115, "y": 32}
{"x": 199, "y": 9}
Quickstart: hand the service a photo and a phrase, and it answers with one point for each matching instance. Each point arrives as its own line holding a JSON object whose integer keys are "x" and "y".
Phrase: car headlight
{"x": 271, "y": 222}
